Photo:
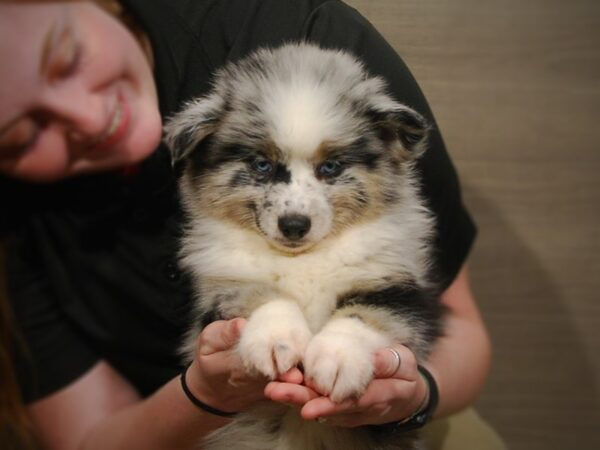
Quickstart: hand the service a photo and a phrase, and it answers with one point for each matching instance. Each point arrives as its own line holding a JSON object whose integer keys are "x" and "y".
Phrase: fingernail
{"x": 235, "y": 327}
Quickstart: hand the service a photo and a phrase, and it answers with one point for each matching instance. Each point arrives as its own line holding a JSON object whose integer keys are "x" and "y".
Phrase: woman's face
{"x": 76, "y": 92}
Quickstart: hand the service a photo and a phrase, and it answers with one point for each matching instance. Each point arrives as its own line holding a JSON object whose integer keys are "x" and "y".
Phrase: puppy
{"x": 304, "y": 217}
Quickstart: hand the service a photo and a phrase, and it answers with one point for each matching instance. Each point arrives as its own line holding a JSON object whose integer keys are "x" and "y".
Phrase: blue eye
{"x": 329, "y": 168}
{"x": 262, "y": 166}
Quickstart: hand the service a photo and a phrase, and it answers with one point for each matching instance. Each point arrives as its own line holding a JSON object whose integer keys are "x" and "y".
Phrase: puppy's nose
{"x": 294, "y": 226}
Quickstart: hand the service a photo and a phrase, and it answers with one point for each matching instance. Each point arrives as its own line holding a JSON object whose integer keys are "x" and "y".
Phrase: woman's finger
{"x": 324, "y": 407}
{"x": 294, "y": 375}
{"x": 289, "y": 393}
{"x": 396, "y": 361}
{"x": 221, "y": 335}
{"x": 377, "y": 401}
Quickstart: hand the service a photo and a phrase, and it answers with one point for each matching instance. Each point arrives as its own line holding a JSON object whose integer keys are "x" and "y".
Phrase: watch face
{"x": 414, "y": 423}
{"x": 422, "y": 419}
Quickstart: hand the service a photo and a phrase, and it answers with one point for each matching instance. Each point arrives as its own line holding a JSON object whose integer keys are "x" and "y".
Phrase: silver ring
{"x": 398, "y": 360}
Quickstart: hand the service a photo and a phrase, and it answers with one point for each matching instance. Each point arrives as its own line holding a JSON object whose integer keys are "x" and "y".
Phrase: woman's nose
{"x": 84, "y": 117}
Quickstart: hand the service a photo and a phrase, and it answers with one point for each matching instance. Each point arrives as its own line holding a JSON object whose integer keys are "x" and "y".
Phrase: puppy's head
{"x": 295, "y": 144}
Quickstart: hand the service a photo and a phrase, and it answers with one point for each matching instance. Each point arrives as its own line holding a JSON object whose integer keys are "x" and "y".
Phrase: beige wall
{"x": 515, "y": 86}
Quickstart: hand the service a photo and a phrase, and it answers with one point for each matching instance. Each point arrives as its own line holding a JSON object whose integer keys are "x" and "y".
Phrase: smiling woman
{"x": 78, "y": 96}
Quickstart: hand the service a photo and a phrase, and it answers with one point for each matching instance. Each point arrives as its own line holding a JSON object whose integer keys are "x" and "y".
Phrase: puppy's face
{"x": 295, "y": 144}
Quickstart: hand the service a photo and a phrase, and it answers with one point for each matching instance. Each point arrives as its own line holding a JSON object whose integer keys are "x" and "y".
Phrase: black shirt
{"x": 92, "y": 260}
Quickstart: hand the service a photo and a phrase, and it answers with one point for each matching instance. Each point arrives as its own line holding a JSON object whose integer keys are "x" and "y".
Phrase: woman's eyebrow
{"x": 59, "y": 30}
{"x": 48, "y": 42}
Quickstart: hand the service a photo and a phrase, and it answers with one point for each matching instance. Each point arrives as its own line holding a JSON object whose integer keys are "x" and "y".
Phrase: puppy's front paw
{"x": 339, "y": 360}
{"x": 274, "y": 339}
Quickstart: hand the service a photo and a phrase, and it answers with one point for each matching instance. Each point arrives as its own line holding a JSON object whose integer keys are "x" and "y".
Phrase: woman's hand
{"x": 394, "y": 394}
{"x": 217, "y": 376}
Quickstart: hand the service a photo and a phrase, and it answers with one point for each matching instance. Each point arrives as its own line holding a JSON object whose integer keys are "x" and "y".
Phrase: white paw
{"x": 274, "y": 339}
{"x": 339, "y": 359}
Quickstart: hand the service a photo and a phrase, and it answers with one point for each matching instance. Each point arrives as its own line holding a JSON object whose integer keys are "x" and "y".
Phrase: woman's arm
{"x": 461, "y": 359}
{"x": 101, "y": 410}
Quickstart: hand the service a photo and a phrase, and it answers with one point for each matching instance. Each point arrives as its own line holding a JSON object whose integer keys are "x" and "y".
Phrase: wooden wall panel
{"x": 515, "y": 87}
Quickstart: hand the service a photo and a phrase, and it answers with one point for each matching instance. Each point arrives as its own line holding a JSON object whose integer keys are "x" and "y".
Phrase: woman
{"x": 91, "y": 259}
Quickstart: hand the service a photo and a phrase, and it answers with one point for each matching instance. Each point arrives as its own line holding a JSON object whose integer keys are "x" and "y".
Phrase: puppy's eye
{"x": 262, "y": 166}
{"x": 329, "y": 168}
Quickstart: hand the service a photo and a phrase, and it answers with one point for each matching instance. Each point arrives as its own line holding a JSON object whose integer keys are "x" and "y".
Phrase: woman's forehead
{"x": 27, "y": 32}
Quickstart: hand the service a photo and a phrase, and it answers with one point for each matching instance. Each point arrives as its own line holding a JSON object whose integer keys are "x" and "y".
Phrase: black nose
{"x": 294, "y": 227}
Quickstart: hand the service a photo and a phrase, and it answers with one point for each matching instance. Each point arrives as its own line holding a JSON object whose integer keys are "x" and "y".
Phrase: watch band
{"x": 420, "y": 417}
{"x": 424, "y": 414}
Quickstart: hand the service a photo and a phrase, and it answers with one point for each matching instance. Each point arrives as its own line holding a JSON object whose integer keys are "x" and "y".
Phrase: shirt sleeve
{"x": 53, "y": 353}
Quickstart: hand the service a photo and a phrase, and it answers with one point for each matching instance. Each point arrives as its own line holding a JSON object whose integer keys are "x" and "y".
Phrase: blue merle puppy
{"x": 304, "y": 217}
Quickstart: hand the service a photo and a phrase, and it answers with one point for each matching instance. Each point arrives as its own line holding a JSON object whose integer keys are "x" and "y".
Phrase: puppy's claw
{"x": 272, "y": 347}
{"x": 339, "y": 360}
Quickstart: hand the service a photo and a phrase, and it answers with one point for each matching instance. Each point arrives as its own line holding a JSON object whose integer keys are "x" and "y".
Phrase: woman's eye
{"x": 19, "y": 138}
{"x": 262, "y": 166}
{"x": 329, "y": 168}
{"x": 72, "y": 64}
{"x": 64, "y": 56}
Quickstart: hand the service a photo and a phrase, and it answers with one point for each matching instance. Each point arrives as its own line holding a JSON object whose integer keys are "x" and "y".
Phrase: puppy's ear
{"x": 197, "y": 120}
{"x": 401, "y": 128}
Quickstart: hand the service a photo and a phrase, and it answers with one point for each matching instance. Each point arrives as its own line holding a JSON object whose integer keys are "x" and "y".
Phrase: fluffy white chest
{"x": 358, "y": 259}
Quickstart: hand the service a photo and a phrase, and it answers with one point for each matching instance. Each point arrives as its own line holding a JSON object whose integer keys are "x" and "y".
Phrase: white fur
{"x": 304, "y": 195}
{"x": 392, "y": 246}
{"x": 339, "y": 359}
{"x": 303, "y": 117}
{"x": 279, "y": 346}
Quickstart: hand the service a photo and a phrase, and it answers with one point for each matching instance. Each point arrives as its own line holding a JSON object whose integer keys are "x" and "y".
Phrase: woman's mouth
{"x": 117, "y": 128}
